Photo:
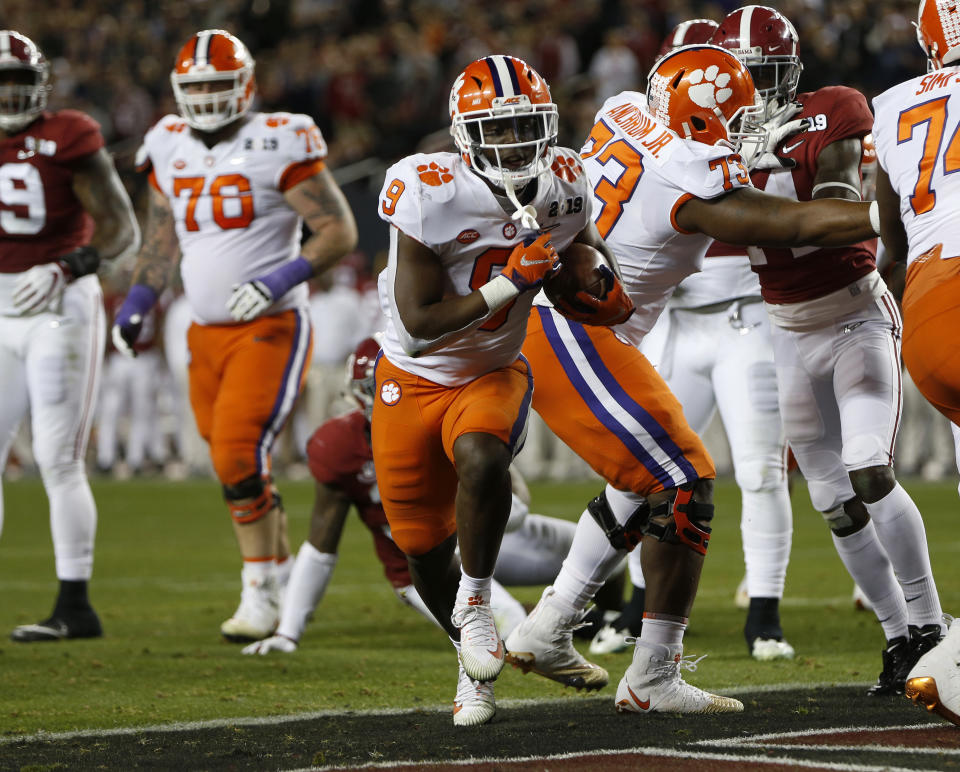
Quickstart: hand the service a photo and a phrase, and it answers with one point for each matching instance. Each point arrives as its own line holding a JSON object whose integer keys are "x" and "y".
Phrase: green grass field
{"x": 167, "y": 574}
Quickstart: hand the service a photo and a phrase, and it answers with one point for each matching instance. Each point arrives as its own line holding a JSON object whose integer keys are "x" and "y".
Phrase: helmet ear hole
{"x": 698, "y": 123}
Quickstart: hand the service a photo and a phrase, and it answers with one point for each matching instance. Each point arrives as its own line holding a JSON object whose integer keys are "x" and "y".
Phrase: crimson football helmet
{"x": 764, "y": 40}
{"x": 938, "y": 32}
{"x": 21, "y": 60}
{"x": 500, "y": 97}
{"x": 687, "y": 33}
{"x": 705, "y": 93}
{"x": 360, "y": 383}
{"x": 219, "y": 61}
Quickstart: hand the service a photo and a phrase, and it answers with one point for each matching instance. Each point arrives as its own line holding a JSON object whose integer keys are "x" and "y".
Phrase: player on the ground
{"x": 341, "y": 461}
{"x": 916, "y": 134}
{"x": 472, "y": 237}
{"x": 230, "y": 189}
{"x": 836, "y": 339}
{"x": 62, "y": 210}
{"x": 713, "y": 349}
{"x": 666, "y": 180}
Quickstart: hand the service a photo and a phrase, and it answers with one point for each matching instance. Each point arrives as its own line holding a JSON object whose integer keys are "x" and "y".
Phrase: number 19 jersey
{"x": 232, "y": 220}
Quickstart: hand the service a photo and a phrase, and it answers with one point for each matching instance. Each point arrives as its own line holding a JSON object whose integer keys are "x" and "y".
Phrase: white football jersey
{"x": 917, "y": 133}
{"x": 438, "y": 201}
{"x": 641, "y": 173}
{"x": 232, "y": 220}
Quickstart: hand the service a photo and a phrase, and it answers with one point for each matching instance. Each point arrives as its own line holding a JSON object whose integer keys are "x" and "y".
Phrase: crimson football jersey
{"x": 340, "y": 456}
{"x": 40, "y": 216}
{"x": 806, "y": 273}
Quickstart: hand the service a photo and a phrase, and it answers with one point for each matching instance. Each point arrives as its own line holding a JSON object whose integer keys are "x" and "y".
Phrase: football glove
{"x": 529, "y": 264}
{"x": 39, "y": 288}
{"x": 613, "y": 308}
{"x": 273, "y": 643}
{"x": 129, "y": 319}
{"x": 249, "y": 300}
{"x": 762, "y": 157}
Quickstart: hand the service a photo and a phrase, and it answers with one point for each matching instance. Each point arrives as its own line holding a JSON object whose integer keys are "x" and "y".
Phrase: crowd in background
{"x": 375, "y": 75}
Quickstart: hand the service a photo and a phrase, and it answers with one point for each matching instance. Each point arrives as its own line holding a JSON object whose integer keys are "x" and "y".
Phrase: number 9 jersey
{"x": 232, "y": 220}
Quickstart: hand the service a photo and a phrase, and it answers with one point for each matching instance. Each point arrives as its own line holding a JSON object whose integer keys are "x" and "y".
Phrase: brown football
{"x": 579, "y": 271}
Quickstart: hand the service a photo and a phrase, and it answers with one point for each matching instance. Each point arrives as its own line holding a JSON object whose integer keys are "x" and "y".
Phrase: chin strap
{"x": 527, "y": 215}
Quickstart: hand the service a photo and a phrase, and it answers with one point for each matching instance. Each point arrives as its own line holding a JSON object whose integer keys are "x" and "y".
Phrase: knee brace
{"x": 838, "y": 519}
{"x": 621, "y": 537}
{"x": 250, "y": 499}
{"x": 682, "y": 521}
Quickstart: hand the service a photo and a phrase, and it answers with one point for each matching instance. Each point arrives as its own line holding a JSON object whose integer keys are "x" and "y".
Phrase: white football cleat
{"x": 741, "y": 598}
{"x": 860, "y": 601}
{"x": 258, "y": 614}
{"x": 481, "y": 650}
{"x": 474, "y": 703}
{"x": 766, "y": 649}
{"x": 934, "y": 681}
{"x": 543, "y": 644}
{"x": 652, "y": 684}
{"x": 609, "y": 640}
{"x": 274, "y": 643}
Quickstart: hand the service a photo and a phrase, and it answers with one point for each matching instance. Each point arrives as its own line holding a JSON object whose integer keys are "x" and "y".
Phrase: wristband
{"x": 281, "y": 280}
{"x": 139, "y": 300}
{"x": 875, "y": 217}
{"x": 498, "y": 292}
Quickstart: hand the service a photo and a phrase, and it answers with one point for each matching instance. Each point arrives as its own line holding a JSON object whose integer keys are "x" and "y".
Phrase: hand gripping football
{"x": 579, "y": 272}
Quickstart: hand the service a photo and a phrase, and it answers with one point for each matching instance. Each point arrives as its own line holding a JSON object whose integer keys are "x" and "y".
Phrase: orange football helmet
{"x": 503, "y": 120}
{"x": 705, "y": 93}
{"x": 688, "y": 32}
{"x": 938, "y": 32}
{"x": 21, "y": 102}
{"x": 218, "y": 60}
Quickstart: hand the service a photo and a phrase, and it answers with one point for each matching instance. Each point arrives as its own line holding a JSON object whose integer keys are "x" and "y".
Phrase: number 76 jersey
{"x": 641, "y": 174}
{"x": 232, "y": 220}
{"x": 917, "y": 133}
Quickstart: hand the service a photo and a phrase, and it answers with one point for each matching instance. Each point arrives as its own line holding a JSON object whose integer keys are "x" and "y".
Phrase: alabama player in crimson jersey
{"x": 916, "y": 134}
{"x": 230, "y": 189}
{"x": 836, "y": 338}
{"x": 62, "y": 210}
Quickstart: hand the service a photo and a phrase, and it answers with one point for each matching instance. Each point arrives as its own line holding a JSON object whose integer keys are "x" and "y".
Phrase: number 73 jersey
{"x": 917, "y": 133}
{"x": 641, "y": 174}
{"x": 232, "y": 220}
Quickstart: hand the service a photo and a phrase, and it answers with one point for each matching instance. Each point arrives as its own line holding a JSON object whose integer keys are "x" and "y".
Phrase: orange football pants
{"x": 415, "y": 424}
{"x": 244, "y": 380}
{"x": 605, "y": 400}
{"x": 931, "y": 318}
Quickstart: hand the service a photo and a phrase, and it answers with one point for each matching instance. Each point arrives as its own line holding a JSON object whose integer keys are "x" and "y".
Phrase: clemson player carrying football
{"x": 230, "y": 189}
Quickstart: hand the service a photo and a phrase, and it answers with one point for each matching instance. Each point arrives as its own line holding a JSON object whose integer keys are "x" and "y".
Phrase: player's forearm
{"x": 432, "y": 326}
{"x": 152, "y": 269}
{"x": 116, "y": 234}
{"x": 833, "y": 223}
{"x": 329, "y": 243}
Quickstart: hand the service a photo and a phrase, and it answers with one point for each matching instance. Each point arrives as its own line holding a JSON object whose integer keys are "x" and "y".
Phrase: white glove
{"x": 37, "y": 289}
{"x": 763, "y": 156}
{"x": 273, "y": 643}
{"x": 249, "y": 300}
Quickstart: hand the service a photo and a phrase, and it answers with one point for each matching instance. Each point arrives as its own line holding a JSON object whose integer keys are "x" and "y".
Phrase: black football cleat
{"x": 60, "y": 626}
{"x": 892, "y": 677}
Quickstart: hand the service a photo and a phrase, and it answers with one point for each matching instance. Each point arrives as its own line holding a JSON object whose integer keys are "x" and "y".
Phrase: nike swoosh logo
{"x": 791, "y": 148}
{"x": 524, "y": 261}
{"x": 498, "y": 652}
{"x": 911, "y": 600}
{"x": 642, "y": 704}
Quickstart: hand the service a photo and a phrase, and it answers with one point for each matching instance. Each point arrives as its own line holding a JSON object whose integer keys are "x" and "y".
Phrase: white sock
{"x": 533, "y": 554}
{"x": 409, "y": 596}
{"x": 282, "y": 569}
{"x": 870, "y": 568}
{"x": 589, "y": 564}
{"x": 255, "y": 571}
{"x": 309, "y": 578}
{"x": 73, "y": 520}
{"x": 766, "y": 528}
{"x": 665, "y": 630}
{"x": 471, "y": 586}
{"x": 903, "y": 536}
{"x": 636, "y": 570}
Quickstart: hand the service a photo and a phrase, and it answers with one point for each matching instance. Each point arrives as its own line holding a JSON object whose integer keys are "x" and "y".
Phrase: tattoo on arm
{"x": 159, "y": 249}
{"x": 97, "y": 186}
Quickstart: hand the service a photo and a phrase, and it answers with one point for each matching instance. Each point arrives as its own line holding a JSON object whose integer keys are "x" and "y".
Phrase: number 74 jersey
{"x": 232, "y": 220}
{"x": 917, "y": 133}
{"x": 641, "y": 174}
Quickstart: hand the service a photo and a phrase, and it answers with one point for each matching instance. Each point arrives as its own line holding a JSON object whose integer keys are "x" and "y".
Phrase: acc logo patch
{"x": 390, "y": 393}
{"x": 179, "y": 164}
{"x": 468, "y": 235}
{"x": 509, "y": 231}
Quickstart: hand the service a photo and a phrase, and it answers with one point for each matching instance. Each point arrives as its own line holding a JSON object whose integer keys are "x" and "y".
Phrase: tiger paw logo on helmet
{"x": 709, "y": 87}
{"x": 390, "y": 393}
{"x": 433, "y": 174}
